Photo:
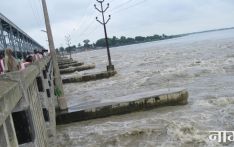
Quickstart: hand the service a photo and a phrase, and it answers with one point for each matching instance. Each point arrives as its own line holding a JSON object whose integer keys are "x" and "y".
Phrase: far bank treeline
{"x": 115, "y": 41}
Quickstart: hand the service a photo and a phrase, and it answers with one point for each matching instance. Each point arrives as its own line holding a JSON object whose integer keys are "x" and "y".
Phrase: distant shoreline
{"x": 207, "y": 31}
{"x": 170, "y": 37}
{"x": 99, "y": 48}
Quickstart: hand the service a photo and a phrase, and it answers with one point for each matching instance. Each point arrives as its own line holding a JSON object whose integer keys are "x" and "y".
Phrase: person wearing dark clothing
{"x": 1, "y": 63}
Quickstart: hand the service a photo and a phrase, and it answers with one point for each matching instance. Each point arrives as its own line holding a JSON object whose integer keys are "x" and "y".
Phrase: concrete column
{"x": 3, "y": 135}
{"x": 37, "y": 116}
{"x": 6, "y": 135}
{"x": 11, "y": 132}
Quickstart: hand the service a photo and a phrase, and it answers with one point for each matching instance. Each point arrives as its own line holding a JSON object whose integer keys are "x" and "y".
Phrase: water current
{"x": 201, "y": 63}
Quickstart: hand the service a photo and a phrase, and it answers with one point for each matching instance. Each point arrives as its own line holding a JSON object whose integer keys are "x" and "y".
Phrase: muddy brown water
{"x": 202, "y": 63}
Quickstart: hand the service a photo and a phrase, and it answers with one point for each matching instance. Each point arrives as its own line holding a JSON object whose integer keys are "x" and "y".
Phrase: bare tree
{"x": 68, "y": 42}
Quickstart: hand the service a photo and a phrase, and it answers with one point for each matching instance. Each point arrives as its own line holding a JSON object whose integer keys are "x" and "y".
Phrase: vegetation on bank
{"x": 115, "y": 41}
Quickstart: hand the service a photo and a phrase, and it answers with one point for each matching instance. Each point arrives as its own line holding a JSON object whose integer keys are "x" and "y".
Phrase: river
{"x": 202, "y": 63}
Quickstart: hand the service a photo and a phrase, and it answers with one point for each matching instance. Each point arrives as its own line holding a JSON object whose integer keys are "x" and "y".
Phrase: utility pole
{"x": 57, "y": 76}
{"x": 110, "y": 67}
{"x": 68, "y": 41}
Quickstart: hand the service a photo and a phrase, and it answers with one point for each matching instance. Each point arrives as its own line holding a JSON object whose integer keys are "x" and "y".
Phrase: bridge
{"x": 13, "y": 37}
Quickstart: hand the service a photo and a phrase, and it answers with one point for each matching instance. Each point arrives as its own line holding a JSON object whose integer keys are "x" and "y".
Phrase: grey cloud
{"x": 149, "y": 17}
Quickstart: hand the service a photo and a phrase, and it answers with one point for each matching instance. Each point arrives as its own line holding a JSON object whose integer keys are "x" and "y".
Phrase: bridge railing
{"x": 27, "y": 106}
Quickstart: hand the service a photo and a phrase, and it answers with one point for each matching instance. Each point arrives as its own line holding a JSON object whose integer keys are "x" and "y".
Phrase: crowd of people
{"x": 9, "y": 62}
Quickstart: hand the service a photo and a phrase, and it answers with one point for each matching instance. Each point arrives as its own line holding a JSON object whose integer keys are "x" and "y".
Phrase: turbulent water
{"x": 202, "y": 63}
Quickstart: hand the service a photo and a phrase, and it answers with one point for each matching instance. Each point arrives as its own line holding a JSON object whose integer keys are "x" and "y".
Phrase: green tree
{"x": 114, "y": 41}
{"x": 156, "y": 37}
{"x": 123, "y": 40}
{"x": 130, "y": 40}
{"x": 101, "y": 43}
{"x": 73, "y": 48}
{"x": 68, "y": 49}
{"x": 57, "y": 50}
{"x": 61, "y": 49}
{"x": 86, "y": 43}
{"x": 139, "y": 38}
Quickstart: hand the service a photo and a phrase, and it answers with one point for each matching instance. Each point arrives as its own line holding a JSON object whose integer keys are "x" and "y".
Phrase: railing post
{"x": 11, "y": 131}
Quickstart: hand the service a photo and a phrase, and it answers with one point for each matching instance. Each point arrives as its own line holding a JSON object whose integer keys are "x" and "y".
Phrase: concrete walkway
{"x": 125, "y": 104}
{"x": 63, "y": 66}
{"x": 74, "y": 69}
{"x": 89, "y": 77}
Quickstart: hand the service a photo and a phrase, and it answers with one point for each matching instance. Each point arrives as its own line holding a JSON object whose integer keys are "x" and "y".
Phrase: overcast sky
{"x": 129, "y": 17}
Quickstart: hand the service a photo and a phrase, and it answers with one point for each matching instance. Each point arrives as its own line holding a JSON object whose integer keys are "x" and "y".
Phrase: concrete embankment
{"x": 74, "y": 69}
{"x": 125, "y": 104}
{"x": 89, "y": 77}
{"x": 63, "y": 66}
{"x": 64, "y": 62}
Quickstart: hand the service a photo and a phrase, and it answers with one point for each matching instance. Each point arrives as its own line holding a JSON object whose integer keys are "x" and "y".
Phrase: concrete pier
{"x": 89, "y": 77}
{"x": 66, "y": 62}
{"x": 125, "y": 104}
{"x": 74, "y": 69}
{"x": 63, "y": 66}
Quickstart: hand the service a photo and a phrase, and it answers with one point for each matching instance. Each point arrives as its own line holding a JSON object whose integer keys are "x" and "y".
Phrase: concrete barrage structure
{"x": 27, "y": 106}
{"x": 125, "y": 104}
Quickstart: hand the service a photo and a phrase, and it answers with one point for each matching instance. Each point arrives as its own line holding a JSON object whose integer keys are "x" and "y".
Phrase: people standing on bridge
{"x": 27, "y": 61}
{"x": 37, "y": 55}
{"x": 1, "y": 62}
{"x": 43, "y": 52}
{"x": 10, "y": 62}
